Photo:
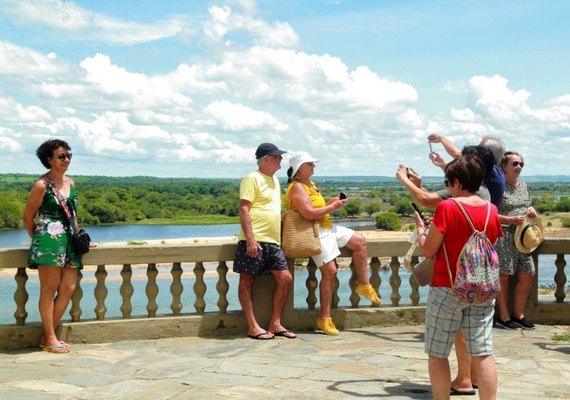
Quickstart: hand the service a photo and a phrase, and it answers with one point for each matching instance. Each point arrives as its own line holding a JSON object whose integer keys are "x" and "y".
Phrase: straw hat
{"x": 529, "y": 235}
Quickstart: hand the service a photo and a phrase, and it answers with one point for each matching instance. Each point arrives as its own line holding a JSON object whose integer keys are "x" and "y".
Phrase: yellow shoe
{"x": 368, "y": 292}
{"x": 327, "y": 326}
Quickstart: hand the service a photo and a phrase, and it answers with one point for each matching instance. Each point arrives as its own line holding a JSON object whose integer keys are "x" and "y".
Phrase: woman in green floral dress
{"x": 52, "y": 251}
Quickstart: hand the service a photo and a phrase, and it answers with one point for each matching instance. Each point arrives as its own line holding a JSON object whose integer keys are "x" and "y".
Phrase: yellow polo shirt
{"x": 264, "y": 194}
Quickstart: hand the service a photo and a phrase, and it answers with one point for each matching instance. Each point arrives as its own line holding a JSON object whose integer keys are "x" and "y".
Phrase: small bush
{"x": 388, "y": 221}
{"x": 566, "y": 222}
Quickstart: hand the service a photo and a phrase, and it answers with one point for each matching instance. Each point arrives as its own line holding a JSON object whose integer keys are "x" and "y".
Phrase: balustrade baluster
{"x": 352, "y": 282}
{"x": 76, "y": 310}
{"x": 415, "y": 294}
{"x": 151, "y": 289}
{"x": 335, "y": 298}
{"x": 560, "y": 278}
{"x": 199, "y": 288}
{"x": 100, "y": 292}
{"x": 395, "y": 281}
{"x": 21, "y": 296}
{"x": 126, "y": 291}
{"x": 222, "y": 287}
{"x": 311, "y": 284}
{"x": 375, "y": 279}
{"x": 176, "y": 288}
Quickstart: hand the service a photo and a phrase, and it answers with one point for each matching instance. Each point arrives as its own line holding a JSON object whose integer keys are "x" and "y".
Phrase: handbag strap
{"x": 290, "y": 207}
{"x": 470, "y": 222}
{"x": 61, "y": 200}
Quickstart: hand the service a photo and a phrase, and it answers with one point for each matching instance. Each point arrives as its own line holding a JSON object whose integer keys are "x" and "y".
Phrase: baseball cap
{"x": 268, "y": 149}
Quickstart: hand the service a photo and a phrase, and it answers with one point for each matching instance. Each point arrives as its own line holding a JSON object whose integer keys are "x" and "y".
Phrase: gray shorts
{"x": 270, "y": 258}
{"x": 446, "y": 312}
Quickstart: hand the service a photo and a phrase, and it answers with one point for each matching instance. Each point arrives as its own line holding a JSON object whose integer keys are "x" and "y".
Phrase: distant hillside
{"x": 137, "y": 180}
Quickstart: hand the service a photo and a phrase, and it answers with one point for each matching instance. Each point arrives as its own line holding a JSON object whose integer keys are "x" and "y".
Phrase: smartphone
{"x": 408, "y": 172}
{"x": 415, "y": 207}
{"x": 342, "y": 196}
{"x": 430, "y": 148}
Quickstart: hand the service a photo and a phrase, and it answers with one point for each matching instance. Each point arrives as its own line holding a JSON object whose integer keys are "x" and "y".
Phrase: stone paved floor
{"x": 360, "y": 364}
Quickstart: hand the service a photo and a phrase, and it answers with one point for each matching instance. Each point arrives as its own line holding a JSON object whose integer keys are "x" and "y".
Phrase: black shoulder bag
{"x": 81, "y": 239}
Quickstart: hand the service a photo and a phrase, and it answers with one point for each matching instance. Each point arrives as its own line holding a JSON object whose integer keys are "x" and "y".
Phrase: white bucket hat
{"x": 297, "y": 159}
{"x": 529, "y": 235}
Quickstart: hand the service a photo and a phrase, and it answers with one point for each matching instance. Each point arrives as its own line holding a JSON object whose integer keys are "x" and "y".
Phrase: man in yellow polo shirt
{"x": 259, "y": 240}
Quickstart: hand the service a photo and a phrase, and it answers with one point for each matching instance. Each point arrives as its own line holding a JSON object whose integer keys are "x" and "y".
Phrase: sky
{"x": 184, "y": 88}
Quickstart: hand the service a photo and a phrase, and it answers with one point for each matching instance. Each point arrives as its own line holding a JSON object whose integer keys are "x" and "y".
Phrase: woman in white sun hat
{"x": 522, "y": 234}
{"x": 303, "y": 196}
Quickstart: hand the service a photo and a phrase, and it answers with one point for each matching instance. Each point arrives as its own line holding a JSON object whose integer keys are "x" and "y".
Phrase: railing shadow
{"x": 368, "y": 389}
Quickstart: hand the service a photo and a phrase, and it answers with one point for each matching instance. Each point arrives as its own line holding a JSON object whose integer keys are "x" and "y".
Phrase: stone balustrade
{"x": 217, "y": 255}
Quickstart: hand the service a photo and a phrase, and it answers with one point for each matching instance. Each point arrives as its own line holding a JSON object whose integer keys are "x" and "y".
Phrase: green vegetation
{"x": 561, "y": 337}
{"x": 191, "y": 201}
{"x": 388, "y": 221}
{"x": 135, "y": 243}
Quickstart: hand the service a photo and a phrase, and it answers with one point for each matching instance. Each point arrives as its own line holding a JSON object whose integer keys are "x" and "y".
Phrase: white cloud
{"x": 225, "y": 21}
{"x": 237, "y": 117}
{"x": 17, "y": 60}
{"x": 84, "y": 24}
{"x": 247, "y": 84}
{"x": 465, "y": 114}
{"x": 8, "y": 144}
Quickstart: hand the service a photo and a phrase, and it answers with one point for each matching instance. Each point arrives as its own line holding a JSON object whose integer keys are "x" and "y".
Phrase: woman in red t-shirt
{"x": 445, "y": 311}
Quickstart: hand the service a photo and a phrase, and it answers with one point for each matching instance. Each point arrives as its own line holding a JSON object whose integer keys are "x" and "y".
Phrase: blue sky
{"x": 190, "y": 88}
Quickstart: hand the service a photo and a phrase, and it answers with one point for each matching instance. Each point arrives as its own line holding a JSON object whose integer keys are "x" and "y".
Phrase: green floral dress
{"x": 51, "y": 243}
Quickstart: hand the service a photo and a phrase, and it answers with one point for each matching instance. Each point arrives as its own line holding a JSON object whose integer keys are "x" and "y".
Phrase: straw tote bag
{"x": 300, "y": 237}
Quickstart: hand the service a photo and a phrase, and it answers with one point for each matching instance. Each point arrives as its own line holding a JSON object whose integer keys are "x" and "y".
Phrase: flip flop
{"x": 455, "y": 392}
{"x": 57, "y": 349}
{"x": 61, "y": 342}
{"x": 286, "y": 333}
{"x": 259, "y": 336}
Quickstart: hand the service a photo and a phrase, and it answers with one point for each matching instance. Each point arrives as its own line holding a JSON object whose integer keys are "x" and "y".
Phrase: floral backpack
{"x": 477, "y": 270}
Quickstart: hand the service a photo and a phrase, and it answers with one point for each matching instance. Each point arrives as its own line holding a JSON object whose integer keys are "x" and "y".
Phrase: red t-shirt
{"x": 450, "y": 221}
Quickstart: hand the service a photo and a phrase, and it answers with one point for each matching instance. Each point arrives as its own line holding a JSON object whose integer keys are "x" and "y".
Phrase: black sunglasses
{"x": 63, "y": 156}
{"x": 517, "y": 163}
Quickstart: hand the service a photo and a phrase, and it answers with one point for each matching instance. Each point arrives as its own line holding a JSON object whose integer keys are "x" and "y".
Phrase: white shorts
{"x": 331, "y": 241}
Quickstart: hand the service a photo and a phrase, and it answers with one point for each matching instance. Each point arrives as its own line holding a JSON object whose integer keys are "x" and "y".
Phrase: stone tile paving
{"x": 358, "y": 364}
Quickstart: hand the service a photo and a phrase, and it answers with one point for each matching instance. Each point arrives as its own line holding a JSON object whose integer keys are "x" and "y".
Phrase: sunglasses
{"x": 63, "y": 156}
{"x": 517, "y": 163}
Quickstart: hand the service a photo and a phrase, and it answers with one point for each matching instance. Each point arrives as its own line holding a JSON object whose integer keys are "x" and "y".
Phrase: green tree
{"x": 388, "y": 221}
{"x": 10, "y": 213}
{"x": 353, "y": 207}
{"x": 403, "y": 207}
{"x": 372, "y": 208}
{"x": 563, "y": 205}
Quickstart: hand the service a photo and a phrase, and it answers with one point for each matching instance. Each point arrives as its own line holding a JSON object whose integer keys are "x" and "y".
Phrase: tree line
{"x": 108, "y": 200}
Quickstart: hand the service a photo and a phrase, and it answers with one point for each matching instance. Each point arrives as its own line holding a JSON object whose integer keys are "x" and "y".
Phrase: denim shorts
{"x": 446, "y": 312}
{"x": 269, "y": 258}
